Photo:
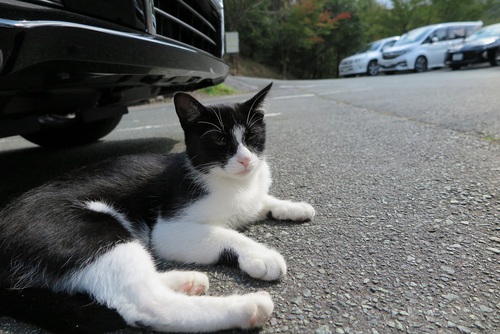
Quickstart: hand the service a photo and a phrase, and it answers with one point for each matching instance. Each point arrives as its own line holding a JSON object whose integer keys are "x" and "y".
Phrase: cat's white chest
{"x": 234, "y": 207}
{"x": 231, "y": 203}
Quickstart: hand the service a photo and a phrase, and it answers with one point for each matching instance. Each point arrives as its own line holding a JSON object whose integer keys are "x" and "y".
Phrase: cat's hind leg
{"x": 125, "y": 279}
{"x": 287, "y": 210}
{"x": 192, "y": 283}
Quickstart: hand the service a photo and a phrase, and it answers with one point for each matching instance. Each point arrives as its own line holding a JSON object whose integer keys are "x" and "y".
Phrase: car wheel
{"x": 63, "y": 131}
{"x": 495, "y": 57}
{"x": 372, "y": 68}
{"x": 420, "y": 64}
{"x": 455, "y": 67}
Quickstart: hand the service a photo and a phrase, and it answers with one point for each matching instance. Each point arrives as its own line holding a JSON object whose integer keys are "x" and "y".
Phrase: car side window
{"x": 388, "y": 45}
{"x": 470, "y": 30}
{"x": 439, "y": 35}
{"x": 456, "y": 32}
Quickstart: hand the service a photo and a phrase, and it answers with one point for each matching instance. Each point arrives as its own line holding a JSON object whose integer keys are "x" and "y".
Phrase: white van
{"x": 425, "y": 47}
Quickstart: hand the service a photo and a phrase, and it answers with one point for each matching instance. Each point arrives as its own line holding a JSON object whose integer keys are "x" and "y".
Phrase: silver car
{"x": 366, "y": 60}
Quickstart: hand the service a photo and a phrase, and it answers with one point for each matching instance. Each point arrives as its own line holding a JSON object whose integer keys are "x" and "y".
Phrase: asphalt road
{"x": 404, "y": 172}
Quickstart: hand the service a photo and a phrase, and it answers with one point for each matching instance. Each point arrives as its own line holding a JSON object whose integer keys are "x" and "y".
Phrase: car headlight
{"x": 405, "y": 51}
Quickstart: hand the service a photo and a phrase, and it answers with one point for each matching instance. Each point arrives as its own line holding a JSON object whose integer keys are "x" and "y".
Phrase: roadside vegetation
{"x": 307, "y": 38}
{"x": 220, "y": 89}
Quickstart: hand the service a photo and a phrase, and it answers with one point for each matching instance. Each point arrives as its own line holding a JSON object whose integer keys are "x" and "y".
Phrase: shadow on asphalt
{"x": 25, "y": 169}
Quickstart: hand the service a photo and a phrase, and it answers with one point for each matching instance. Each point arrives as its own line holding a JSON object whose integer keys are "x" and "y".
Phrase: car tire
{"x": 455, "y": 67}
{"x": 372, "y": 69}
{"x": 494, "y": 57}
{"x": 60, "y": 132}
{"x": 420, "y": 64}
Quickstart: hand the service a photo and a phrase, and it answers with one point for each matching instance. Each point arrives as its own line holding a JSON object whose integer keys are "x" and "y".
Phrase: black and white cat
{"x": 98, "y": 229}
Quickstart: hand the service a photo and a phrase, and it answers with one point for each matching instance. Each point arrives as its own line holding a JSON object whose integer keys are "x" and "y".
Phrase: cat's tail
{"x": 59, "y": 312}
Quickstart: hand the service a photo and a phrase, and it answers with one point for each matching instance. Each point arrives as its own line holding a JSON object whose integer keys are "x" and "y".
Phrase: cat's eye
{"x": 251, "y": 137}
{"x": 221, "y": 141}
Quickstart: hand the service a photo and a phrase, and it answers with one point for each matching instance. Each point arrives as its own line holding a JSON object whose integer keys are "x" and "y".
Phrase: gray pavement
{"x": 404, "y": 172}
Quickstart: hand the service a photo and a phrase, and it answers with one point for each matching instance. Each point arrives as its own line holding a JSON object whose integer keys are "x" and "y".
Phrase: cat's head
{"x": 225, "y": 139}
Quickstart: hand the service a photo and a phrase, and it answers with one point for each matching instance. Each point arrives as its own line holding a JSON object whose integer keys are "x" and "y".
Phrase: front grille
{"x": 193, "y": 22}
{"x": 472, "y": 55}
{"x": 390, "y": 55}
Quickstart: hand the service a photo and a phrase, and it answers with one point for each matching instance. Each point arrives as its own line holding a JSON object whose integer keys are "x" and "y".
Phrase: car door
{"x": 436, "y": 47}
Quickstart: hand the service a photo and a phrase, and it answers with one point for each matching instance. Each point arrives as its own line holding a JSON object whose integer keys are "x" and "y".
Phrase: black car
{"x": 481, "y": 46}
{"x": 70, "y": 68}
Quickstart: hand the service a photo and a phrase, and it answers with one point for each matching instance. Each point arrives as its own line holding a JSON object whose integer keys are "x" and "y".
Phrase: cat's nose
{"x": 245, "y": 161}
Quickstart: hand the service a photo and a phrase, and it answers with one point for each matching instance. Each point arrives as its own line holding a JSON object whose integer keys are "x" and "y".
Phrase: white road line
{"x": 272, "y": 114}
{"x": 292, "y": 96}
{"x": 297, "y": 86}
{"x": 146, "y": 127}
{"x": 345, "y": 91}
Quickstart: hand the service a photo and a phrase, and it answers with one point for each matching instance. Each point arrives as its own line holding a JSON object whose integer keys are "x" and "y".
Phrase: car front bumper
{"x": 57, "y": 56}
{"x": 393, "y": 65}
{"x": 56, "y": 59}
{"x": 463, "y": 58}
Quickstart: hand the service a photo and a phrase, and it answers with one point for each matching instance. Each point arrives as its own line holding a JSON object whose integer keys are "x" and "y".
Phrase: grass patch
{"x": 491, "y": 139}
{"x": 220, "y": 89}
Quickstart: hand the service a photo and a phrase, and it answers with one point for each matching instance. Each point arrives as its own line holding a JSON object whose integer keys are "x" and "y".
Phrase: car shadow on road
{"x": 27, "y": 168}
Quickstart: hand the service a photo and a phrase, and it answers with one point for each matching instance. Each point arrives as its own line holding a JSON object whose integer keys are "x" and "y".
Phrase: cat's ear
{"x": 188, "y": 109}
{"x": 256, "y": 102}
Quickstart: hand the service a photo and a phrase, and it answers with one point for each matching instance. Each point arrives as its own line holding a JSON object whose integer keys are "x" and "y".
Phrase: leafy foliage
{"x": 308, "y": 38}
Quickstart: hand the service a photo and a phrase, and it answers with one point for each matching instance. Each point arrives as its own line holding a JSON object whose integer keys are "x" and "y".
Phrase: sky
{"x": 385, "y": 2}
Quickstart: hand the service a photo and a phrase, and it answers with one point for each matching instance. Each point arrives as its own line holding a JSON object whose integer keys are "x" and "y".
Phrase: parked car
{"x": 425, "y": 47}
{"x": 481, "y": 46}
{"x": 69, "y": 69}
{"x": 366, "y": 60}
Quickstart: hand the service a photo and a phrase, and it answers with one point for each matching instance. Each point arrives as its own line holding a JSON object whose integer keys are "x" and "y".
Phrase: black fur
{"x": 228, "y": 257}
{"x": 52, "y": 220}
{"x": 59, "y": 312}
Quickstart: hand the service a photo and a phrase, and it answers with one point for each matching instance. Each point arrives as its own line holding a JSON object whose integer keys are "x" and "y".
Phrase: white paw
{"x": 294, "y": 211}
{"x": 254, "y": 309}
{"x": 191, "y": 283}
{"x": 265, "y": 264}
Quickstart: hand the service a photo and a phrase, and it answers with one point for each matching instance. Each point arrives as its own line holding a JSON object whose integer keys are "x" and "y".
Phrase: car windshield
{"x": 412, "y": 36}
{"x": 489, "y": 31}
{"x": 369, "y": 47}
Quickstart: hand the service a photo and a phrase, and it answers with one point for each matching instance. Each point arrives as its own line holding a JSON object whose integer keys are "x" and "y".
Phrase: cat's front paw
{"x": 295, "y": 211}
{"x": 253, "y": 309}
{"x": 266, "y": 264}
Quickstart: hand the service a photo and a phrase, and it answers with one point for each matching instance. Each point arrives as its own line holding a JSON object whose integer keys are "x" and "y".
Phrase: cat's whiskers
{"x": 207, "y": 132}
{"x": 219, "y": 118}
{"x": 249, "y": 119}
{"x": 212, "y": 124}
{"x": 250, "y": 126}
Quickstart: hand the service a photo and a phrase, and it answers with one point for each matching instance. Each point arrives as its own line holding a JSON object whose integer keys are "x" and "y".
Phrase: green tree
{"x": 305, "y": 37}
{"x": 255, "y": 24}
{"x": 373, "y": 20}
{"x": 346, "y": 39}
{"x": 450, "y": 10}
{"x": 491, "y": 13}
